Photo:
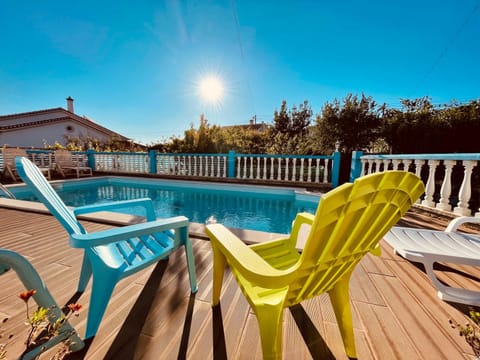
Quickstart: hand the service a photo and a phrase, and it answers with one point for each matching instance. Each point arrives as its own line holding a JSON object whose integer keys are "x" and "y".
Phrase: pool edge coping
{"x": 118, "y": 219}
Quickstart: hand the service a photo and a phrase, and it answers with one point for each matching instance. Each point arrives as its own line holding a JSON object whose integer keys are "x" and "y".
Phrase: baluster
{"x": 364, "y": 164}
{"x": 286, "y": 169}
{"x": 224, "y": 166}
{"x": 379, "y": 167}
{"x": 465, "y": 191}
{"x": 317, "y": 171}
{"x": 395, "y": 164}
{"x": 418, "y": 172}
{"x": 212, "y": 168}
{"x": 272, "y": 169}
{"x": 239, "y": 165}
{"x": 195, "y": 168}
{"x": 309, "y": 174}
{"x": 430, "y": 185}
{"x": 294, "y": 170}
{"x": 446, "y": 188}
{"x": 258, "y": 168}
{"x": 264, "y": 168}
{"x": 279, "y": 173}
{"x": 325, "y": 171}
{"x": 301, "y": 169}
{"x": 250, "y": 176}
{"x": 370, "y": 167}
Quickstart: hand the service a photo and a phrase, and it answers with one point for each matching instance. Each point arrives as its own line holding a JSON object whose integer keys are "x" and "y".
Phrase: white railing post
{"x": 395, "y": 164}
{"x": 317, "y": 171}
{"x": 325, "y": 171}
{"x": 465, "y": 190}
{"x": 364, "y": 164}
{"x": 258, "y": 168}
{"x": 309, "y": 174}
{"x": 244, "y": 167}
{"x": 418, "y": 171}
{"x": 286, "y": 169}
{"x": 430, "y": 185}
{"x": 446, "y": 188}
{"x": 279, "y": 174}
{"x": 294, "y": 169}
{"x": 250, "y": 176}
{"x": 239, "y": 166}
{"x": 272, "y": 169}
{"x": 301, "y": 169}
{"x": 265, "y": 159}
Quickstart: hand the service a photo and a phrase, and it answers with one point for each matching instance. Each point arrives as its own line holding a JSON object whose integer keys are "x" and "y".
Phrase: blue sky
{"x": 136, "y": 66}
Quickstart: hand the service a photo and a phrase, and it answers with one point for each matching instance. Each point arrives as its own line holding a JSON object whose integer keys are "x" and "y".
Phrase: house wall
{"x": 39, "y": 136}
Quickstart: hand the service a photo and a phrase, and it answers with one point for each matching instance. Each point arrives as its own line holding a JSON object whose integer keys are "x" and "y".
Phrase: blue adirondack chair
{"x": 113, "y": 254}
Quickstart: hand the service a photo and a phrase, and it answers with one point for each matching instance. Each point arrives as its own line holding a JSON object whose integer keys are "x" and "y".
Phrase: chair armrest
{"x": 246, "y": 261}
{"x": 300, "y": 219}
{"x": 455, "y": 223}
{"x": 126, "y": 232}
{"x": 146, "y": 203}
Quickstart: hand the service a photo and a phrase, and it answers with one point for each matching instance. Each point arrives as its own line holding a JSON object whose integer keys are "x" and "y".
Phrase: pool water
{"x": 239, "y": 206}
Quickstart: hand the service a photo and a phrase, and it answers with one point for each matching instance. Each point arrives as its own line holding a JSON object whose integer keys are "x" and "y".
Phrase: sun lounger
{"x": 450, "y": 246}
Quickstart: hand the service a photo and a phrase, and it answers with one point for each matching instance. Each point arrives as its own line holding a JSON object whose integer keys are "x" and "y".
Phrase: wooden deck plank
{"x": 396, "y": 312}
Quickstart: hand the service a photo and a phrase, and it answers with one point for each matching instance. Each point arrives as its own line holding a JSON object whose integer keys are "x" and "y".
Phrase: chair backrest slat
{"x": 42, "y": 189}
{"x": 349, "y": 222}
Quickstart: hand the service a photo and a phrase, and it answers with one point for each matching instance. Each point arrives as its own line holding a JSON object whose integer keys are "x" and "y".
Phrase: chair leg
{"x": 340, "y": 298}
{"x": 104, "y": 282}
{"x": 85, "y": 274}
{"x": 219, "y": 264}
{"x": 191, "y": 266}
{"x": 270, "y": 317}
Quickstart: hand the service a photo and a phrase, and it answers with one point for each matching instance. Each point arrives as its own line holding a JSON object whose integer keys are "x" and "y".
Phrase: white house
{"x": 35, "y": 129}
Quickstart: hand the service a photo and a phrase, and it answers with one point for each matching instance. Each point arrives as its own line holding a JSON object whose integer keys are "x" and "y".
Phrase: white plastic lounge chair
{"x": 31, "y": 280}
{"x": 9, "y": 168}
{"x": 65, "y": 161}
{"x": 449, "y": 246}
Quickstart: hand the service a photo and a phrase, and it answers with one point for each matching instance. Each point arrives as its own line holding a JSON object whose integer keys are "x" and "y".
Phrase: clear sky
{"x": 138, "y": 67}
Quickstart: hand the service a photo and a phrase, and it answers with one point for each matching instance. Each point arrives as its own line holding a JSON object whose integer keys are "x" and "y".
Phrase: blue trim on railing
{"x": 152, "y": 156}
{"x": 231, "y": 164}
{"x": 356, "y": 166}
{"x": 336, "y": 169}
{"x": 91, "y": 158}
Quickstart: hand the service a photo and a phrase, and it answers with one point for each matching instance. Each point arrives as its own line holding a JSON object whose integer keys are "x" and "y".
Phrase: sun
{"x": 210, "y": 89}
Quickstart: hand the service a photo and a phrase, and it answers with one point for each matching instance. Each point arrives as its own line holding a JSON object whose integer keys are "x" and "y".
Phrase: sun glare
{"x": 211, "y": 89}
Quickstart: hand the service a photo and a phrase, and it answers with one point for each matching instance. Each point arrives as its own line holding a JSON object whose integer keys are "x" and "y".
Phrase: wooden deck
{"x": 152, "y": 315}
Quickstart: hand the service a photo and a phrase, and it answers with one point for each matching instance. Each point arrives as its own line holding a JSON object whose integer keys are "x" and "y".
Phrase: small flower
{"x": 74, "y": 307}
{"x": 26, "y": 295}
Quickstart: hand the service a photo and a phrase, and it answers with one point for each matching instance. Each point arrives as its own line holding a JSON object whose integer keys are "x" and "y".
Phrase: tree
{"x": 355, "y": 123}
{"x": 290, "y": 129}
{"x": 416, "y": 128}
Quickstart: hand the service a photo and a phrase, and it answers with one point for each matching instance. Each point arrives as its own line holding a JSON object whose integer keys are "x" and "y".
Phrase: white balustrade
{"x": 272, "y": 168}
{"x": 446, "y": 188}
{"x": 430, "y": 185}
{"x": 465, "y": 191}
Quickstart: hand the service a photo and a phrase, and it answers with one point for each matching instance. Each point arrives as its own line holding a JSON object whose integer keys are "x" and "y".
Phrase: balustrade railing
{"x": 256, "y": 167}
{"x": 452, "y": 181}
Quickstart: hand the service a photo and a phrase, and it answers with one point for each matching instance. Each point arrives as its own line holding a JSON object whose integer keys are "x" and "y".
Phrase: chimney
{"x": 70, "y": 104}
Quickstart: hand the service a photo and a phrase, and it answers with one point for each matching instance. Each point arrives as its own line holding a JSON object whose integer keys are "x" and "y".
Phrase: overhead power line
{"x": 450, "y": 43}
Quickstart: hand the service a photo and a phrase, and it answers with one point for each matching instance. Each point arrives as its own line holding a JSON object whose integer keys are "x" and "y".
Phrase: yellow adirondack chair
{"x": 349, "y": 222}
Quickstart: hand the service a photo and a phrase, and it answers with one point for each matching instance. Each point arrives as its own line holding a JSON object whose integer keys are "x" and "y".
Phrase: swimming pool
{"x": 252, "y": 207}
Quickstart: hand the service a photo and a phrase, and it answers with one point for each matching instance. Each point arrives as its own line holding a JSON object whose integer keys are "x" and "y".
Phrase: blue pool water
{"x": 248, "y": 207}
